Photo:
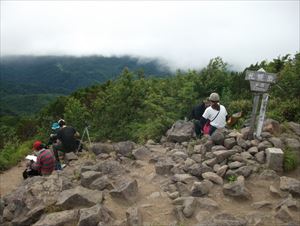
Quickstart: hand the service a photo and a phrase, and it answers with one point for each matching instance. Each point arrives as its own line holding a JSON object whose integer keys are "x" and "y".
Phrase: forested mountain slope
{"x": 25, "y": 78}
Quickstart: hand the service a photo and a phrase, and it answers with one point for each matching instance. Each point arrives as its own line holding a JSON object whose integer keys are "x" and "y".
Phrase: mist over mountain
{"x": 61, "y": 75}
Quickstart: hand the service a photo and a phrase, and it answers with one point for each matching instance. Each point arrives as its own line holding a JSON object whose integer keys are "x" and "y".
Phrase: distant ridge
{"x": 62, "y": 75}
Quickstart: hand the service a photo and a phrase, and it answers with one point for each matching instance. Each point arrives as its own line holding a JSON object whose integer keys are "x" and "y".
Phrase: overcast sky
{"x": 186, "y": 34}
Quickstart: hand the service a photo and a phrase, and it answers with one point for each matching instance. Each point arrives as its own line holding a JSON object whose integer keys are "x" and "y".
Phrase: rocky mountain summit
{"x": 220, "y": 180}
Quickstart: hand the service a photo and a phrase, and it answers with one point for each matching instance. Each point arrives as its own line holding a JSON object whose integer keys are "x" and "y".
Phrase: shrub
{"x": 290, "y": 160}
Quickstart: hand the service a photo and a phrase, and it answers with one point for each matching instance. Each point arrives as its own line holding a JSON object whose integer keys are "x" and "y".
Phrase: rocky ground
{"x": 221, "y": 180}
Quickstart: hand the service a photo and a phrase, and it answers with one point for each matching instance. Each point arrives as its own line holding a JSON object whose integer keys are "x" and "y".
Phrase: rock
{"x": 217, "y": 148}
{"x": 284, "y": 214}
{"x": 295, "y": 127}
{"x": 86, "y": 178}
{"x": 271, "y": 126}
{"x": 268, "y": 175}
{"x": 142, "y": 153}
{"x": 189, "y": 204}
{"x": 245, "y": 132}
{"x": 67, "y": 217}
{"x": 99, "y": 148}
{"x": 292, "y": 143}
{"x": 164, "y": 167}
{"x": 79, "y": 197}
{"x": 207, "y": 204}
{"x": 183, "y": 189}
{"x": 237, "y": 189}
{"x": 222, "y": 170}
{"x": 266, "y": 135}
{"x": 218, "y": 137}
{"x": 260, "y": 157}
{"x": 70, "y": 156}
{"x": 197, "y": 158}
{"x": 289, "y": 202}
{"x": 264, "y": 145}
{"x": 101, "y": 184}
{"x": 275, "y": 191}
{"x": 111, "y": 168}
{"x": 174, "y": 195}
{"x": 290, "y": 184}
{"x": 201, "y": 188}
{"x": 213, "y": 177}
{"x": 277, "y": 143}
{"x": 223, "y": 154}
{"x": 134, "y": 216}
{"x": 124, "y": 148}
{"x": 181, "y": 131}
{"x": 242, "y": 143}
{"x": 261, "y": 204}
{"x": 126, "y": 190}
{"x": 235, "y": 164}
{"x": 179, "y": 155}
{"x": 274, "y": 159}
{"x": 200, "y": 149}
{"x": 253, "y": 150}
{"x": 30, "y": 217}
{"x": 184, "y": 178}
{"x": 177, "y": 211}
{"x": 211, "y": 162}
{"x": 94, "y": 215}
{"x": 229, "y": 143}
{"x": 246, "y": 155}
{"x": 244, "y": 171}
{"x": 223, "y": 219}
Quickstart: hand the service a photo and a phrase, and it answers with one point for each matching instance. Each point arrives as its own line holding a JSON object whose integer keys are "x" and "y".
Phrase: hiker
{"x": 67, "y": 139}
{"x": 215, "y": 116}
{"x": 53, "y": 136}
{"x": 45, "y": 162}
{"x": 196, "y": 115}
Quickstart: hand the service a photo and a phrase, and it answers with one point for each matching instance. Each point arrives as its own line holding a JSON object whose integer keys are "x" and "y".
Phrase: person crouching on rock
{"x": 45, "y": 162}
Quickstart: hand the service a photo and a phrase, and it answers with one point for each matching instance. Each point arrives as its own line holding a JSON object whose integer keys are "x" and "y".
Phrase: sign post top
{"x": 260, "y": 80}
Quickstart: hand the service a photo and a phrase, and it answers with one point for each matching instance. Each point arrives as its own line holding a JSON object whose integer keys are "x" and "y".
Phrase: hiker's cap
{"x": 61, "y": 122}
{"x": 214, "y": 97}
{"x": 37, "y": 145}
{"x": 55, "y": 126}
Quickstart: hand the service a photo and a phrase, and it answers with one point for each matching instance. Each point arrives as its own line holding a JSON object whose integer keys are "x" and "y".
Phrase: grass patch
{"x": 11, "y": 154}
{"x": 290, "y": 160}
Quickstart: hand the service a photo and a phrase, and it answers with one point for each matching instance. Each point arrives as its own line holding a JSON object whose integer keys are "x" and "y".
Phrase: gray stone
{"x": 189, "y": 204}
{"x": 284, "y": 214}
{"x": 290, "y": 184}
{"x": 237, "y": 189}
{"x": 67, "y": 217}
{"x": 218, "y": 137}
{"x": 266, "y": 135}
{"x": 207, "y": 204}
{"x": 244, "y": 171}
{"x": 246, "y": 155}
{"x": 211, "y": 162}
{"x": 79, "y": 197}
{"x": 142, "y": 153}
{"x": 124, "y": 148}
{"x": 292, "y": 143}
{"x": 183, "y": 189}
{"x": 94, "y": 215}
{"x": 223, "y": 219}
{"x": 217, "y": 148}
{"x": 262, "y": 204}
{"x": 295, "y": 127}
{"x": 99, "y": 148}
{"x": 242, "y": 143}
{"x": 126, "y": 190}
{"x": 30, "y": 217}
{"x": 181, "y": 131}
{"x": 264, "y": 145}
{"x": 222, "y": 170}
{"x": 235, "y": 164}
{"x": 164, "y": 167}
{"x": 253, "y": 150}
{"x": 111, "y": 168}
{"x": 274, "y": 159}
{"x": 197, "y": 158}
{"x": 86, "y": 178}
{"x": 101, "y": 184}
{"x": 223, "y": 154}
{"x": 70, "y": 156}
{"x": 272, "y": 126}
{"x": 213, "y": 177}
{"x": 229, "y": 143}
{"x": 268, "y": 175}
{"x": 201, "y": 188}
{"x": 260, "y": 157}
{"x": 289, "y": 202}
{"x": 134, "y": 216}
{"x": 277, "y": 143}
{"x": 184, "y": 178}
{"x": 196, "y": 170}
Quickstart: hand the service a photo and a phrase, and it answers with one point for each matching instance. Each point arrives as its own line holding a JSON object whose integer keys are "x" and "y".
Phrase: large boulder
{"x": 237, "y": 189}
{"x": 93, "y": 215}
{"x": 126, "y": 190}
{"x": 124, "y": 148}
{"x": 99, "y": 148}
{"x": 67, "y": 217}
{"x": 181, "y": 131}
{"x": 290, "y": 184}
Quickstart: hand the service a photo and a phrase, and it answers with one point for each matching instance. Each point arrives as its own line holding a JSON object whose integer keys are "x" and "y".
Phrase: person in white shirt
{"x": 216, "y": 114}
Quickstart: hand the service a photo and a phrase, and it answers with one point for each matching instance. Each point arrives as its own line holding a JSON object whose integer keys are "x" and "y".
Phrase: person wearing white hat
{"x": 215, "y": 114}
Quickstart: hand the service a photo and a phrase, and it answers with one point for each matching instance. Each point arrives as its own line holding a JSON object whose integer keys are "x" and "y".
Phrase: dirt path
{"x": 11, "y": 179}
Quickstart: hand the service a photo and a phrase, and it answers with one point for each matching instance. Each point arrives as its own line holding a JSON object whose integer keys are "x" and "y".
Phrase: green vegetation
{"x": 290, "y": 160}
{"x": 232, "y": 178}
{"x": 132, "y": 107}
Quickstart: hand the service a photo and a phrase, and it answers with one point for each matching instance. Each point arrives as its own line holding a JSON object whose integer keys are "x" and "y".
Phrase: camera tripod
{"x": 86, "y": 131}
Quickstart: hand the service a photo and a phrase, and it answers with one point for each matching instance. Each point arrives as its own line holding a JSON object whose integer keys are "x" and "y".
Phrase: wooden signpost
{"x": 259, "y": 84}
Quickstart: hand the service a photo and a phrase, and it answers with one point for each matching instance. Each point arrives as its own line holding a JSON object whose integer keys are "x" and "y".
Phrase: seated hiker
{"x": 67, "y": 139}
{"x": 45, "y": 161}
{"x": 53, "y": 136}
{"x": 215, "y": 114}
{"x": 196, "y": 115}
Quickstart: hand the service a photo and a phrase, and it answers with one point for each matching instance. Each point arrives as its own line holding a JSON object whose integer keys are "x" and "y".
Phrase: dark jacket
{"x": 197, "y": 112}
